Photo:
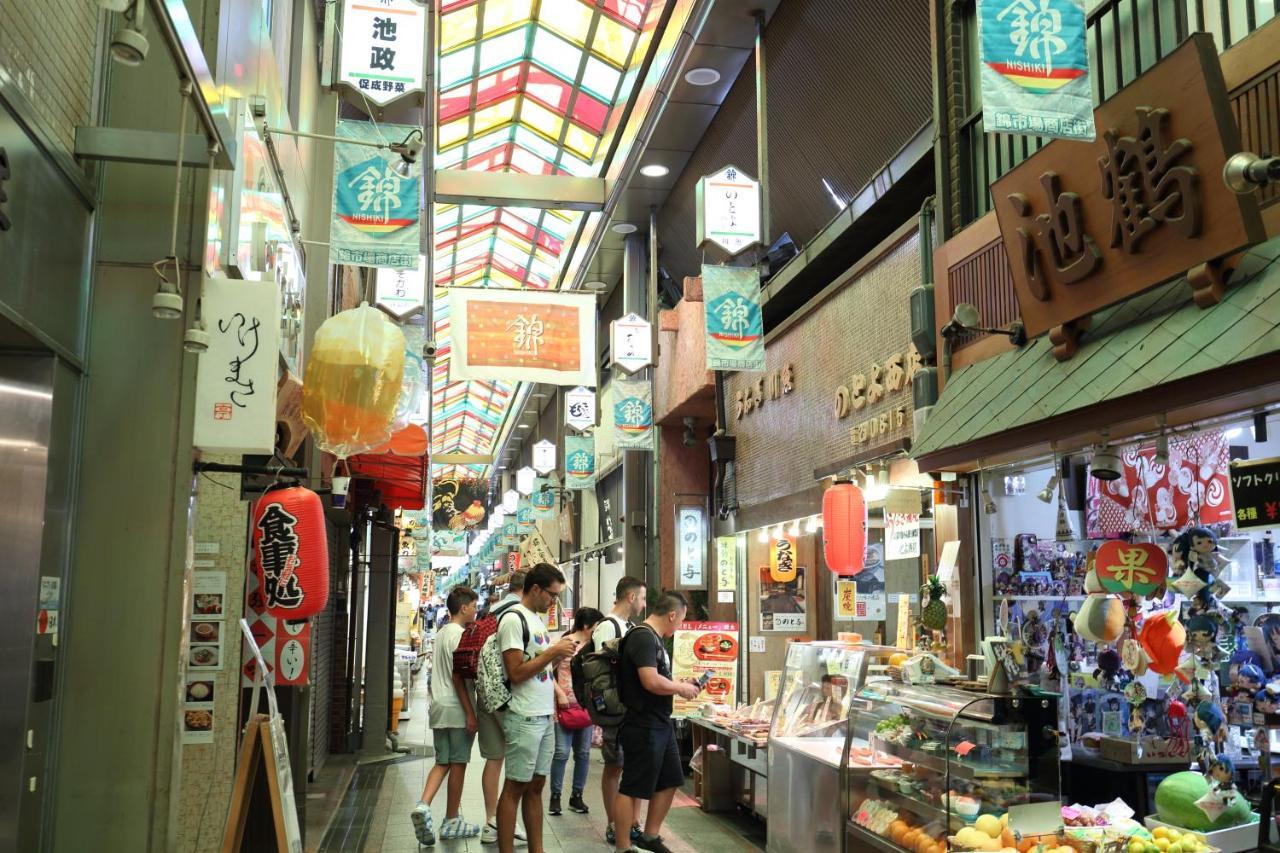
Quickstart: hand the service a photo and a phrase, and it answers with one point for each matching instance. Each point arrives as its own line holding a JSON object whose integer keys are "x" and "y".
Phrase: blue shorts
{"x": 453, "y": 746}
{"x": 531, "y": 744}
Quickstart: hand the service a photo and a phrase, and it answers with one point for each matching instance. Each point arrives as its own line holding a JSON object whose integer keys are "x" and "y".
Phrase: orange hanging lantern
{"x": 290, "y": 552}
{"x": 1137, "y": 568}
{"x": 844, "y": 528}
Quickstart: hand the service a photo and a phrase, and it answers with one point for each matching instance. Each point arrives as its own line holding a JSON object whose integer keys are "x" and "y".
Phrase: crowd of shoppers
{"x": 543, "y": 724}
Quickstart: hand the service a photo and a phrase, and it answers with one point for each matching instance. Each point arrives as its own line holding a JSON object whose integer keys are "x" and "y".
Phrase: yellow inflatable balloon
{"x": 353, "y": 381}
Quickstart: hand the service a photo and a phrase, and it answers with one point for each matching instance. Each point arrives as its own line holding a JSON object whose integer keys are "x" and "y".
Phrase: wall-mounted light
{"x": 812, "y": 525}
{"x": 795, "y": 528}
{"x": 128, "y": 44}
{"x": 763, "y": 536}
{"x": 1050, "y": 488}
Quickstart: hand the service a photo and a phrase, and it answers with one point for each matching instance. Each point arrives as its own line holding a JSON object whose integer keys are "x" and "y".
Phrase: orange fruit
{"x": 1006, "y": 838}
{"x": 909, "y": 839}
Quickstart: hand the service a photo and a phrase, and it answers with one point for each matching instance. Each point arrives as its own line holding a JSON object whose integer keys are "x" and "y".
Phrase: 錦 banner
{"x": 633, "y": 413}
{"x": 579, "y": 462}
{"x": 1035, "y": 68}
{"x": 523, "y": 336}
{"x": 543, "y": 500}
{"x": 735, "y": 326}
{"x": 375, "y": 208}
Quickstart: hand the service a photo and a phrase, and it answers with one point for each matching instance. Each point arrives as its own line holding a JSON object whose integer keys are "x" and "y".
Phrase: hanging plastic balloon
{"x": 413, "y": 387}
{"x": 354, "y": 381}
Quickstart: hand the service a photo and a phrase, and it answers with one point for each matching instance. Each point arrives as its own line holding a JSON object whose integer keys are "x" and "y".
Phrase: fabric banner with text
{"x": 523, "y": 336}
{"x": 633, "y": 413}
{"x": 543, "y": 499}
{"x": 1035, "y": 68}
{"x": 735, "y": 326}
{"x": 376, "y": 220}
{"x": 579, "y": 462}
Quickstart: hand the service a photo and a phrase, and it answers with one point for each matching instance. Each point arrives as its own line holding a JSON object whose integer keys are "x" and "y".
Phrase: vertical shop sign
{"x": 401, "y": 292}
{"x": 735, "y": 325}
{"x": 728, "y": 210}
{"x": 580, "y": 408}
{"x": 726, "y": 568}
{"x": 846, "y": 599}
{"x": 633, "y": 413}
{"x": 236, "y": 377}
{"x": 631, "y": 343}
{"x": 902, "y": 536}
{"x": 383, "y": 45}
{"x": 579, "y": 462}
{"x": 691, "y": 524}
{"x": 375, "y": 207}
{"x": 1035, "y": 68}
{"x": 544, "y": 457}
{"x": 782, "y": 558}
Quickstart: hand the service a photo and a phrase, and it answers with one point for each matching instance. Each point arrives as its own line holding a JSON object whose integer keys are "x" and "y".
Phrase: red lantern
{"x": 844, "y": 528}
{"x": 1138, "y": 568}
{"x": 290, "y": 552}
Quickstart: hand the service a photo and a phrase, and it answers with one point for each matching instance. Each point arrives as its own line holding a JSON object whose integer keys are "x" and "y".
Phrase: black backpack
{"x": 576, "y": 673}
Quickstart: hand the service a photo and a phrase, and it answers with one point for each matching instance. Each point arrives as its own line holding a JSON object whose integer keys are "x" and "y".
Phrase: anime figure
{"x": 1179, "y": 727}
{"x": 1202, "y": 638}
{"x": 1250, "y": 682}
{"x": 1240, "y": 658}
{"x": 1197, "y": 549}
{"x": 1220, "y": 770}
{"x": 1212, "y": 723}
{"x": 1136, "y": 721}
{"x": 1267, "y": 700}
{"x": 1109, "y": 673}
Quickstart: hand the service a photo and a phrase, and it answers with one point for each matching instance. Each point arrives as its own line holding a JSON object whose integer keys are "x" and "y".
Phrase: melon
{"x": 1176, "y": 804}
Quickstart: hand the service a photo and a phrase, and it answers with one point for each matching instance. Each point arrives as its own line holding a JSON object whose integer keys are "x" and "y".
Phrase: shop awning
{"x": 1148, "y": 355}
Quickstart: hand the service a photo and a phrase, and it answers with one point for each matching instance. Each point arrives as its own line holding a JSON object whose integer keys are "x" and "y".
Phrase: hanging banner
{"x": 633, "y": 413}
{"x": 782, "y": 558}
{"x": 544, "y": 457}
{"x": 236, "y": 377}
{"x": 580, "y": 408}
{"x": 401, "y": 293}
{"x": 1035, "y": 68}
{"x": 726, "y": 568}
{"x": 383, "y": 44}
{"x": 534, "y": 550}
{"x": 705, "y": 647}
{"x": 510, "y": 534}
{"x": 543, "y": 500}
{"x": 579, "y": 462}
{"x": 735, "y": 326}
{"x": 375, "y": 208}
{"x": 782, "y": 604}
{"x": 524, "y": 516}
{"x": 691, "y": 530}
{"x": 528, "y": 336}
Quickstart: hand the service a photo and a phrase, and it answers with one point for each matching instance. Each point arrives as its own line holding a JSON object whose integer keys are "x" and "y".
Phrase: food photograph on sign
{"x": 710, "y": 650}
{"x": 782, "y": 603}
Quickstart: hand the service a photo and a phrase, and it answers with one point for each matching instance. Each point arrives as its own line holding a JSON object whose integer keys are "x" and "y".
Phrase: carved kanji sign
{"x": 1087, "y": 225}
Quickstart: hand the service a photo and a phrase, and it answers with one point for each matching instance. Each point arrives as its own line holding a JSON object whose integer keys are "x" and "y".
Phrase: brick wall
{"x": 52, "y": 66}
{"x": 865, "y": 321}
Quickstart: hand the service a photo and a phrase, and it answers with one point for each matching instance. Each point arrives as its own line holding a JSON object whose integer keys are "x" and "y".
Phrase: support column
{"x": 636, "y": 463}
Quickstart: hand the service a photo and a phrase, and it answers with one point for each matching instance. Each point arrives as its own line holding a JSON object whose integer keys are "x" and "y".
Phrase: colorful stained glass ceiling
{"x": 526, "y": 86}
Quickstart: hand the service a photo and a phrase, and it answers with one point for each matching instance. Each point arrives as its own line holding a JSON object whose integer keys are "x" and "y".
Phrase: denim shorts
{"x": 531, "y": 744}
{"x": 453, "y": 746}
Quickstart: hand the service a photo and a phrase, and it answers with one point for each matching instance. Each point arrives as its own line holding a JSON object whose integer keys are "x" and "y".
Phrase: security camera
{"x": 429, "y": 349}
{"x": 1105, "y": 464}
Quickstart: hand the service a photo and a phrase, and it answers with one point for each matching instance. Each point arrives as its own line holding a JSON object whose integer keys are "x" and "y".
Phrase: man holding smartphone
{"x": 652, "y": 770}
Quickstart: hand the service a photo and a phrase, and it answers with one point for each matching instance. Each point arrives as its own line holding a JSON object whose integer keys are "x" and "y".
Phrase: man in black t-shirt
{"x": 652, "y": 770}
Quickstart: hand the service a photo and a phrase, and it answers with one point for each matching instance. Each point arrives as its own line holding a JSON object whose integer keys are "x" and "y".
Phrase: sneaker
{"x": 635, "y": 832}
{"x": 489, "y": 835}
{"x": 421, "y": 817}
{"x": 575, "y": 804}
{"x": 652, "y": 844}
{"x": 458, "y": 828}
{"x": 554, "y": 807}
{"x": 610, "y": 837}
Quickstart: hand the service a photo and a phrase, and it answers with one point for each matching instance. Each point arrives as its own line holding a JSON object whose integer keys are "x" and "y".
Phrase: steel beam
{"x": 512, "y": 189}
{"x": 461, "y": 459}
{"x": 149, "y": 147}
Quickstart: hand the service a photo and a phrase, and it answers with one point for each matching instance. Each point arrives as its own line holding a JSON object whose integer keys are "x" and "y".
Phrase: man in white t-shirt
{"x": 451, "y": 714}
{"x": 529, "y": 722}
{"x": 628, "y": 605}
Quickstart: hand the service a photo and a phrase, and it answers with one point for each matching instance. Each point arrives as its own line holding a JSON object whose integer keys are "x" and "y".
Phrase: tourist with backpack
{"x": 453, "y": 726}
{"x": 527, "y": 656}
{"x": 653, "y": 770}
{"x": 628, "y": 606}
{"x": 573, "y": 723}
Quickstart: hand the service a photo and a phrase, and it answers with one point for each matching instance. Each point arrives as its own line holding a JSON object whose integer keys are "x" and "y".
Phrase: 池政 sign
{"x": 1087, "y": 226}
{"x": 383, "y": 48}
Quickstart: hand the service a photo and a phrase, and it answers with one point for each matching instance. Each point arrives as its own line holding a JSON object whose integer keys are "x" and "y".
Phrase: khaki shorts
{"x": 610, "y": 750}
{"x": 493, "y": 742}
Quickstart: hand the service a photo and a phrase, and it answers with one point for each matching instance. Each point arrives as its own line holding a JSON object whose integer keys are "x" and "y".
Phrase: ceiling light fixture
{"x": 763, "y": 537}
{"x": 128, "y": 44}
{"x": 655, "y": 170}
{"x": 702, "y": 76}
{"x": 594, "y": 285}
{"x": 812, "y": 525}
{"x": 624, "y": 228}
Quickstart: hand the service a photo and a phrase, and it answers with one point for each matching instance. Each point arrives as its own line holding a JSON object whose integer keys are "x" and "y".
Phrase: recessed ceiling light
{"x": 654, "y": 170}
{"x": 594, "y": 285}
{"x": 701, "y": 76}
{"x": 624, "y": 228}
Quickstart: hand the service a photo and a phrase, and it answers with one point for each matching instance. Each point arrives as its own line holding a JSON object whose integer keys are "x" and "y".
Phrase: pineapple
{"x": 934, "y": 614}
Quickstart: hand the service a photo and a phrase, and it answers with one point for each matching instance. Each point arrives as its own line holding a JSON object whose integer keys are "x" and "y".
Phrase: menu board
{"x": 711, "y": 647}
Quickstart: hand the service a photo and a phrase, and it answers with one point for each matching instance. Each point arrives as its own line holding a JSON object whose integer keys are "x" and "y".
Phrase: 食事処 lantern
{"x": 290, "y": 552}
{"x": 844, "y": 528}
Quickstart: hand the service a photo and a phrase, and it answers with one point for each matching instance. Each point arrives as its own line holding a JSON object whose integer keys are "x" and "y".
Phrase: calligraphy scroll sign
{"x": 1136, "y": 568}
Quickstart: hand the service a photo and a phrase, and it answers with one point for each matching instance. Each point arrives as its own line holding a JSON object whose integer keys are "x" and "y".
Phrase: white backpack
{"x": 493, "y": 688}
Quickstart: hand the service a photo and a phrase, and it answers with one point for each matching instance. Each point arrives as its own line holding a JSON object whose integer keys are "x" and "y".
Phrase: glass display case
{"x": 807, "y": 743}
{"x": 930, "y": 763}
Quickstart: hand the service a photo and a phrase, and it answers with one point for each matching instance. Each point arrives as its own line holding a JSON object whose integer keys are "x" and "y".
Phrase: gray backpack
{"x": 493, "y": 688}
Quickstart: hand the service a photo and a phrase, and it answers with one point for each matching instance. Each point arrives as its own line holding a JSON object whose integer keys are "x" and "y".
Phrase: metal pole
{"x": 635, "y": 469}
{"x": 427, "y": 241}
{"x": 655, "y": 569}
{"x": 762, "y": 130}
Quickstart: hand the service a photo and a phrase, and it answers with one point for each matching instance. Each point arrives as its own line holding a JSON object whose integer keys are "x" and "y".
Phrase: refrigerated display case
{"x": 808, "y": 743}
{"x": 927, "y": 762}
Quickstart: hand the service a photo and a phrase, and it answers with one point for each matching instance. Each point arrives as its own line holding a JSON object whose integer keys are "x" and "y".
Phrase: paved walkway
{"x": 374, "y": 815}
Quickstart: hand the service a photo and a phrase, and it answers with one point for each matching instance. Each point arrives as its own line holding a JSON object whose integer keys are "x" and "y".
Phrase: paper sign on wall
{"x": 904, "y": 622}
{"x": 726, "y": 565}
{"x": 846, "y": 599}
{"x": 902, "y": 536}
{"x": 236, "y": 378}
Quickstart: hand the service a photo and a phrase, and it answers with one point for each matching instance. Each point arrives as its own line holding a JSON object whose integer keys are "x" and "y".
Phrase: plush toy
{"x": 1162, "y": 638}
{"x": 1110, "y": 673}
{"x": 1250, "y": 681}
{"x": 1197, "y": 549}
{"x": 1202, "y": 638}
{"x": 1212, "y": 723}
{"x": 1220, "y": 770}
{"x": 1100, "y": 619}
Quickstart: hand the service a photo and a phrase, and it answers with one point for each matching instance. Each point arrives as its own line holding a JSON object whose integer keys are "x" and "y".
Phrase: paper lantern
{"x": 844, "y": 528}
{"x": 1163, "y": 638}
{"x": 410, "y": 441}
{"x": 353, "y": 382}
{"x": 1100, "y": 619}
{"x": 290, "y": 552}
{"x": 1139, "y": 568}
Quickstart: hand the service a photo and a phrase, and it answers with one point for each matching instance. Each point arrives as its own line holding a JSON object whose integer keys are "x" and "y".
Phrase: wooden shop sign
{"x": 1087, "y": 225}
{"x": 773, "y": 385}
{"x": 892, "y": 375}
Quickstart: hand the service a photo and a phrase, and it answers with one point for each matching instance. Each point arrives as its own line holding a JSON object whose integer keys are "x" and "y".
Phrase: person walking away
{"x": 493, "y": 747}
{"x": 451, "y": 715}
{"x": 575, "y": 740}
{"x": 527, "y": 656}
{"x": 628, "y": 605}
{"x": 652, "y": 770}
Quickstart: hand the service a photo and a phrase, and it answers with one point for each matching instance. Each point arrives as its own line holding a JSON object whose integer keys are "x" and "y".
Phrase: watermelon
{"x": 1176, "y": 804}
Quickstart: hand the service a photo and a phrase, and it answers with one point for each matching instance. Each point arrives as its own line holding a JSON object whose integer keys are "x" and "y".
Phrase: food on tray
{"x": 718, "y": 686}
{"x": 200, "y": 721}
{"x": 204, "y": 656}
{"x": 208, "y": 603}
{"x": 716, "y": 647}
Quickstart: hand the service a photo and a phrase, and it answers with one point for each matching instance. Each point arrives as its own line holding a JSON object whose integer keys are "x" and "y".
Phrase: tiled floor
{"x": 375, "y": 814}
